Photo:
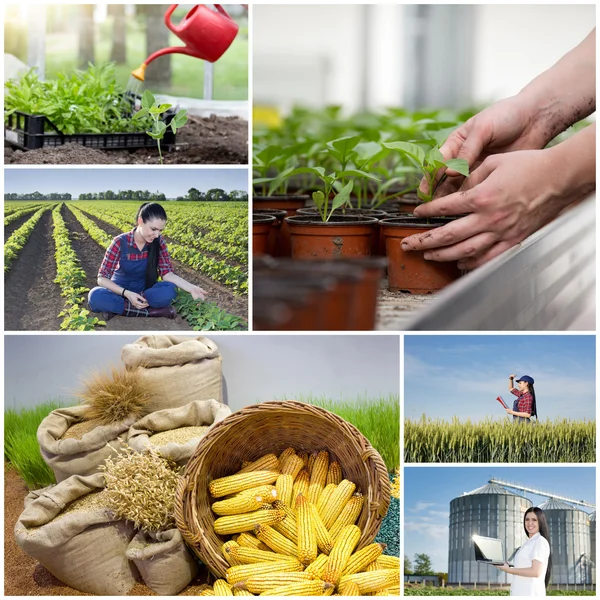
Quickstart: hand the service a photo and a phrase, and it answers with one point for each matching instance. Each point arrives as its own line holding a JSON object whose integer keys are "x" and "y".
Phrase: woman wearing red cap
{"x": 524, "y": 406}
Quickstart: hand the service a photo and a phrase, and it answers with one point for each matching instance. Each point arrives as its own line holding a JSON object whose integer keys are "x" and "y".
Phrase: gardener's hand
{"x": 136, "y": 300}
{"x": 506, "y": 199}
{"x": 510, "y": 411}
{"x": 505, "y": 126}
{"x": 197, "y": 293}
{"x": 503, "y": 567}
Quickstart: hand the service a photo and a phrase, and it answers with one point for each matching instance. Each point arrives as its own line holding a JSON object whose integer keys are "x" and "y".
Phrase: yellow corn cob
{"x": 242, "y": 593}
{"x": 311, "y": 461}
{"x": 300, "y": 486}
{"x": 243, "y": 572}
{"x": 373, "y": 581}
{"x": 334, "y": 473}
{"x": 341, "y": 552}
{"x": 325, "y": 495}
{"x": 275, "y": 540}
{"x": 268, "y": 462}
{"x": 249, "y": 556}
{"x": 391, "y": 591}
{"x": 240, "y": 482}
{"x": 207, "y": 592}
{"x": 388, "y": 562}
{"x": 348, "y": 516}
{"x": 225, "y": 552}
{"x": 349, "y": 589}
{"x": 307, "y": 536}
{"x": 237, "y": 505}
{"x": 247, "y": 540}
{"x": 301, "y": 588}
{"x": 365, "y": 556}
{"x": 267, "y": 492}
{"x": 336, "y": 502}
{"x": 289, "y": 526}
{"x": 304, "y": 457}
{"x": 292, "y": 466}
{"x": 317, "y": 566}
{"x": 284, "y": 486}
{"x": 318, "y": 476}
{"x": 324, "y": 540}
{"x": 374, "y": 566}
{"x": 222, "y": 588}
{"x": 285, "y": 455}
{"x": 247, "y": 521}
{"x": 260, "y": 583}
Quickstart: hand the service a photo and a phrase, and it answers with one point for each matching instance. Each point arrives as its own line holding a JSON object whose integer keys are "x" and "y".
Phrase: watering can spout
{"x": 140, "y": 72}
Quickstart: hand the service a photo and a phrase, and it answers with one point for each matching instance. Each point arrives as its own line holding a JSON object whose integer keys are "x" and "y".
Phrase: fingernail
{"x": 460, "y": 265}
{"x": 405, "y": 246}
{"x": 427, "y": 256}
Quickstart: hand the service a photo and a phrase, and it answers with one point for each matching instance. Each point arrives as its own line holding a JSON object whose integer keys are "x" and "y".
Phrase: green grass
{"x": 21, "y": 449}
{"x": 378, "y": 419}
{"x": 438, "y": 591}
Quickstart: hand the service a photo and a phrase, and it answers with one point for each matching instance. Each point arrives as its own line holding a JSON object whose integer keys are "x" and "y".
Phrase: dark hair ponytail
{"x": 544, "y": 532}
{"x": 533, "y": 404}
{"x": 148, "y": 211}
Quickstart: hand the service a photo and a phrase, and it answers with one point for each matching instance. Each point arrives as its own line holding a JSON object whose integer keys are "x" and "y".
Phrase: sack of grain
{"x": 70, "y": 456}
{"x": 175, "y": 432}
{"x": 81, "y": 545}
{"x": 163, "y": 560}
{"x": 179, "y": 369}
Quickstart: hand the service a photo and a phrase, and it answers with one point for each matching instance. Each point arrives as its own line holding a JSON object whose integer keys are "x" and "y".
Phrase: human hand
{"x": 506, "y": 199}
{"x": 510, "y": 411}
{"x": 197, "y": 293}
{"x": 136, "y": 300}
{"x": 503, "y": 567}
{"x": 512, "y": 376}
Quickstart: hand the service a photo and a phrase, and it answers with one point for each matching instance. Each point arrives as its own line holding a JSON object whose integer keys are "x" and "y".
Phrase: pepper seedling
{"x": 155, "y": 110}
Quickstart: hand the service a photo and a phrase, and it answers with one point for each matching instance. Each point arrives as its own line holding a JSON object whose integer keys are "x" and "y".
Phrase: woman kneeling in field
{"x": 128, "y": 277}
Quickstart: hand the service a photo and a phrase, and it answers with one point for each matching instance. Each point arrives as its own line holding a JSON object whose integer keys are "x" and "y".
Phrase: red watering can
{"x": 206, "y": 34}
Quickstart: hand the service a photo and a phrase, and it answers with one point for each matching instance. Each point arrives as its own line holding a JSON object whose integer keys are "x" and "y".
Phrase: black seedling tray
{"x": 27, "y": 132}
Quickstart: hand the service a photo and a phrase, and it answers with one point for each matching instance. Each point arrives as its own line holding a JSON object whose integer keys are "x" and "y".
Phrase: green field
{"x": 429, "y": 440}
{"x": 437, "y": 591}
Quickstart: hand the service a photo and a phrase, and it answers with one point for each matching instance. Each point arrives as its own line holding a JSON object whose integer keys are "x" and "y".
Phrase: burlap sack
{"x": 179, "y": 369}
{"x": 76, "y": 457}
{"x": 86, "y": 550}
{"x": 163, "y": 560}
{"x": 194, "y": 414}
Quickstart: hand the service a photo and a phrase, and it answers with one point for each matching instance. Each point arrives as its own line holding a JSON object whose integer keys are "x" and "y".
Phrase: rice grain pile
{"x": 181, "y": 435}
{"x": 78, "y": 430}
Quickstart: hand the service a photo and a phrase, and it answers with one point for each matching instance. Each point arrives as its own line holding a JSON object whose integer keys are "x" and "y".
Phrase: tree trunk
{"x": 86, "y": 35}
{"x": 158, "y": 73}
{"x": 118, "y": 53}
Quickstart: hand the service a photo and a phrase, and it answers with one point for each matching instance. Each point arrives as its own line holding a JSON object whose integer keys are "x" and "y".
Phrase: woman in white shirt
{"x": 533, "y": 562}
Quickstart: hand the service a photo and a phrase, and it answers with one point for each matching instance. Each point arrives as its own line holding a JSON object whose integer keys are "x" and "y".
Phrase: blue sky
{"x": 429, "y": 490}
{"x": 172, "y": 182}
{"x": 460, "y": 376}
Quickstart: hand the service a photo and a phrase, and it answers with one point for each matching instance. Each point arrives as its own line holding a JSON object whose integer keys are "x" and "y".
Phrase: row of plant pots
{"x": 328, "y": 295}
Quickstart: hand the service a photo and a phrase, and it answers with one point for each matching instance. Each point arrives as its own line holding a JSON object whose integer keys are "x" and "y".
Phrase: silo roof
{"x": 553, "y": 504}
{"x": 491, "y": 488}
{"x": 592, "y": 516}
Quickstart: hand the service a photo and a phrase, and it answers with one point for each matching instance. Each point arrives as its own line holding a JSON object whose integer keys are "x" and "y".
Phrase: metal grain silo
{"x": 593, "y": 545}
{"x": 569, "y": 542}
{"x": 491, "y": 511}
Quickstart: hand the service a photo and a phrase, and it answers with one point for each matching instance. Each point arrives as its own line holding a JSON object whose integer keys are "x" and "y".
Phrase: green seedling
{"x": 429, "y": 162}
{"x": 155, "y": 110}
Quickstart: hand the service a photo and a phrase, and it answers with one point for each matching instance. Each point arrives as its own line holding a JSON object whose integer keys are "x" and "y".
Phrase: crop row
{"x": 18, "y": 214}
{"x": 220, "y": 271}
{"x": 225, "y": 237}
{"x": 20, "y": 207}
{"x": 71, "y": 278}
{"x": 430, "y": 440}
{"x": 19, "y": 238}
{"x": 98, "y": 235}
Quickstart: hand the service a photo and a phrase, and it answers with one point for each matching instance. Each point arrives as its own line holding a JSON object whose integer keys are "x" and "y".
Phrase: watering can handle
{"x": 168, "y": 14}
{"x": 222, "y": 11}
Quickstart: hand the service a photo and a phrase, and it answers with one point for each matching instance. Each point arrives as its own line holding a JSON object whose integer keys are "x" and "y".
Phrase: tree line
{"x": 195, "y": 195}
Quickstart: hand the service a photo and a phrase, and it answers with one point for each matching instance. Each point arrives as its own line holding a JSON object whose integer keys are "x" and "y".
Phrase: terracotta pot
{"x": 409, "y": 271}
{"x": 275, "y": 231}
{"x": 290, "y": 204}
{"x": 261, "y": 227}
{"x": 341, "y": 236}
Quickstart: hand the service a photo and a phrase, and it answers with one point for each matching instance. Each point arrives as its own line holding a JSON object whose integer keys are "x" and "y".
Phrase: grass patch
{"x": 378, "y": 419}
{"x": 21, "y": 448}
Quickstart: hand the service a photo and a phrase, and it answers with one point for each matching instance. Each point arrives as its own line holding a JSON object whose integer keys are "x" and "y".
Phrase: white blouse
{"x": 535, "y": 548}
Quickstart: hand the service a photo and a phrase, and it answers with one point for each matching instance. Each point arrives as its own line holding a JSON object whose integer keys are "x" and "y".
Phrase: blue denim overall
{"x": 131, "y": 275}
{"x": 516, "y": 409}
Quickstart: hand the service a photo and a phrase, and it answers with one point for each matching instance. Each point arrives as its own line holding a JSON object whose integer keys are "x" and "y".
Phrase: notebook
{"x": 499, "y": 398}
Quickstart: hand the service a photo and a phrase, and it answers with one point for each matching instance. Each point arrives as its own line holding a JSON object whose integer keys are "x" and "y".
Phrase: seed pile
{"x": 78, "y": 430}
{"x": 111, "y": 397}
{"x": 141, "y": 488}
{"x": 293, "y": 518}
{"x": 181, "y": 435}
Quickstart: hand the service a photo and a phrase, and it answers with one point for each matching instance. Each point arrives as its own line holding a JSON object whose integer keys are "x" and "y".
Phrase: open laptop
{"x": 489, "y": 550}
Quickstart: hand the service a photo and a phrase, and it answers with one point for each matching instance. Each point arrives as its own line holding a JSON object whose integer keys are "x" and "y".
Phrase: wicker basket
{"x": 270, "y": 428}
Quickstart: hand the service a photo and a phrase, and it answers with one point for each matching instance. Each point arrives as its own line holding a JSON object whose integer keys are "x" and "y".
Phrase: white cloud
{"x": 420, "y": 506}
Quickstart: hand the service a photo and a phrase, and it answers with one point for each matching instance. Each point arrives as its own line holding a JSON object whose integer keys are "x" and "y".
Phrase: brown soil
{"x": 10, "y": 229}
{"x": 212, "y": 140}
{"x": 31, "y": 298}
{"x": 24, "y": 576}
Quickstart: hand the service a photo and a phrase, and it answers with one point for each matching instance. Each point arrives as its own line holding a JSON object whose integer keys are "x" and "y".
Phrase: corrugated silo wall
{"x": 491, "y": 515}
{"x": 570, "y": 546}
{"x": 593, "y": 547}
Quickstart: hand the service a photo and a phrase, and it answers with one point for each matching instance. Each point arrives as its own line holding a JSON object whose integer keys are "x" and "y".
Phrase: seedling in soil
{"x": 155, "y": 111}
{"x": 205, "y": 316}
{"x": 429, "y": 163}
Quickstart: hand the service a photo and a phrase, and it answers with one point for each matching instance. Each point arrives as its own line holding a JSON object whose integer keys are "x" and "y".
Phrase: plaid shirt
{"x": 525, "y": 401}
{"x": 110, "y": 263}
